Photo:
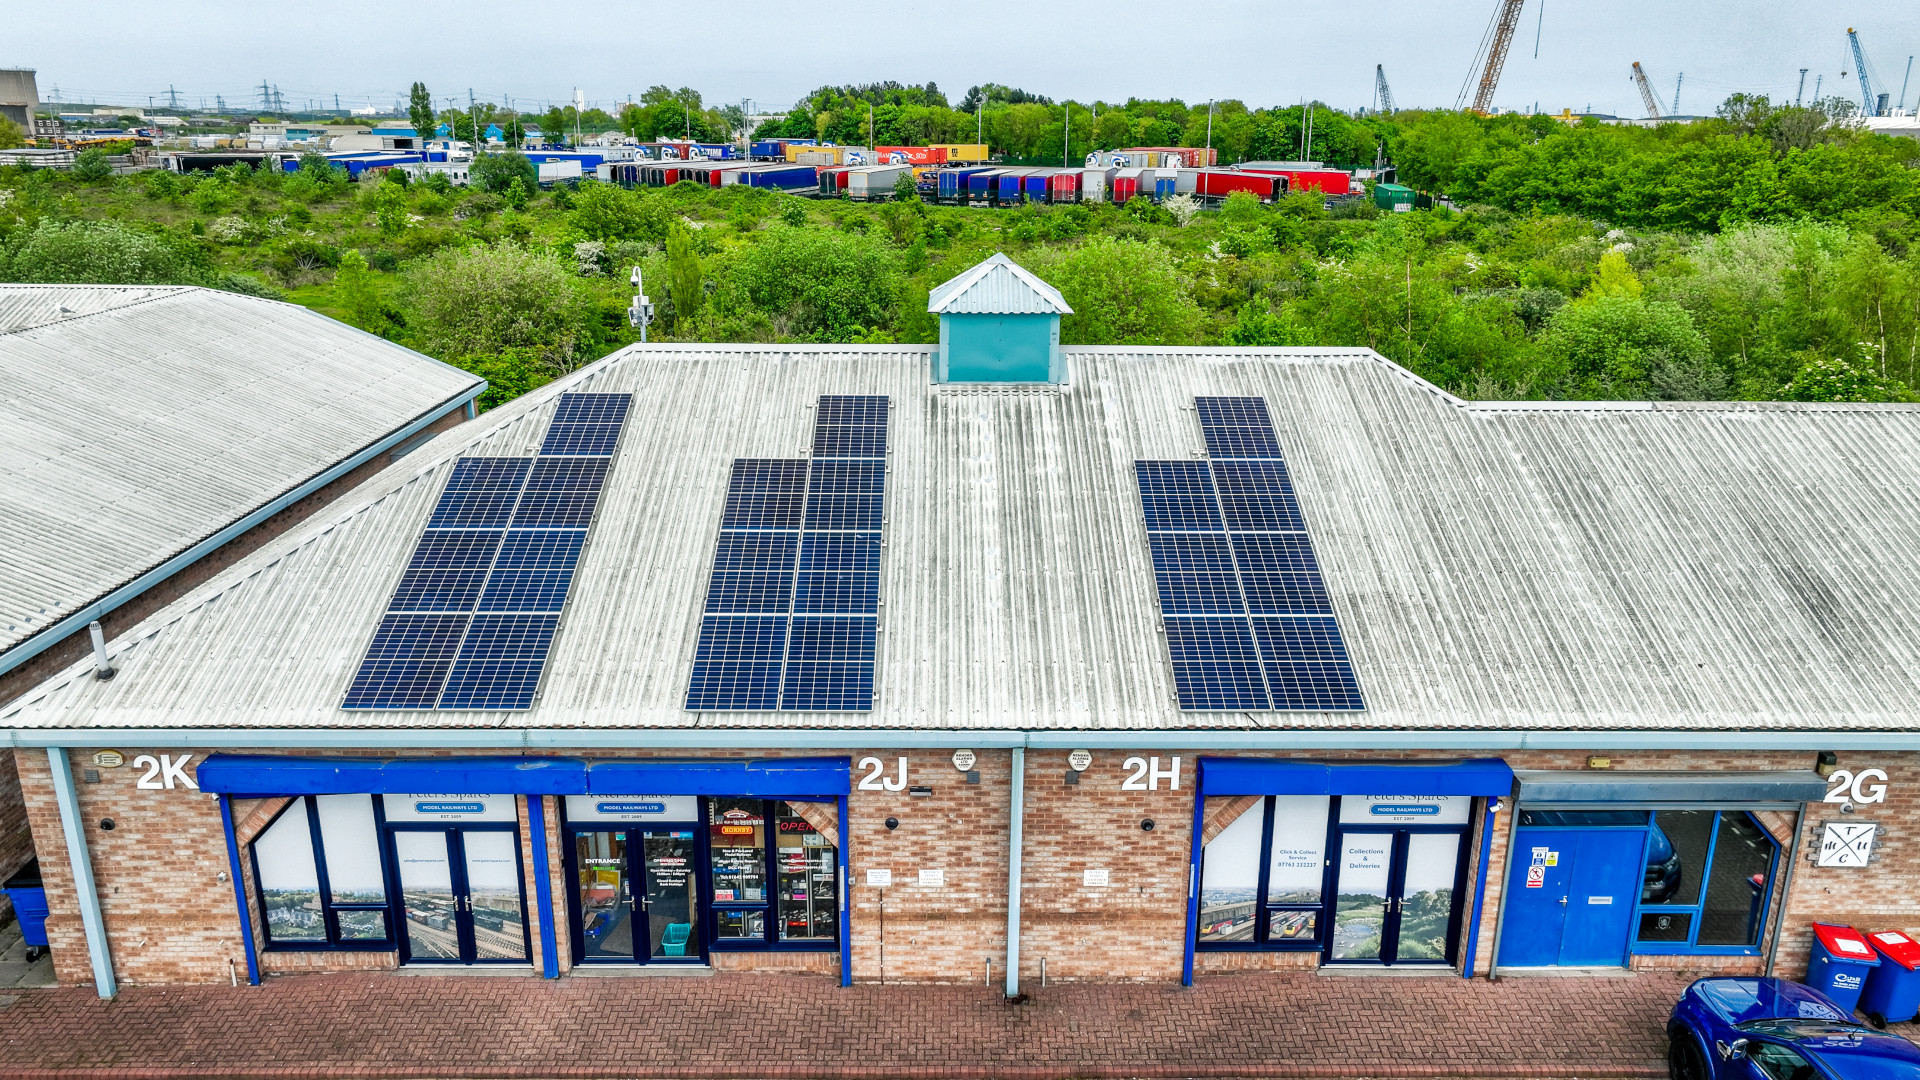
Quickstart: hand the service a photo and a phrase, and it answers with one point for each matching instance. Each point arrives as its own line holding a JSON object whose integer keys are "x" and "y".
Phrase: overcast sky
{"x": 124, "y": 51}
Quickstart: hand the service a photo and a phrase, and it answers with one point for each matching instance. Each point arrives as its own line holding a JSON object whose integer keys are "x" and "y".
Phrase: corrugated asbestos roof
{"x": 149, "y": 418}
{"x": 997, "y": 286}
{"x": 23, "y": 306}
{"x": 1497, "y": 567}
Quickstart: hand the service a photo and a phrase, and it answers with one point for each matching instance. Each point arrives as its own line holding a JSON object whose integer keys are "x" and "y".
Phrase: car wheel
{"x": 1877, "y": 1020}
{"x": 1684, "y": 1059}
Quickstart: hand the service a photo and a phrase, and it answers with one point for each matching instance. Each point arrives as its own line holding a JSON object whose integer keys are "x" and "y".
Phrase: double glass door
{"x": 1396, "y": 897}
{"x": 461, "y": 892}
{"x": 635, "y": 895}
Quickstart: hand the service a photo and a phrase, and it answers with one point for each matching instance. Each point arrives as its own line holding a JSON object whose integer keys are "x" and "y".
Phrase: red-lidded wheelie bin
{"x": 1893, "y": 989}
{"x": 1840, "y": 963}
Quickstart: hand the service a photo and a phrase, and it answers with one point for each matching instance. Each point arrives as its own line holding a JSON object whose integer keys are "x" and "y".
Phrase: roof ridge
{"x": 170, "y": 292}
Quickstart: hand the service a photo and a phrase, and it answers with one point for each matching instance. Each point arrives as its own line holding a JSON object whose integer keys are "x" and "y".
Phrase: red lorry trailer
{"x": 1216, "y": 184}
{"x": 910, "y": 155}
{"x": 1325, "y": 181}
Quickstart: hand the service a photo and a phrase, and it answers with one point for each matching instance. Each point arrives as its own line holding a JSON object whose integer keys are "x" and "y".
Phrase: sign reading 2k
{"x": 163, "y": 771}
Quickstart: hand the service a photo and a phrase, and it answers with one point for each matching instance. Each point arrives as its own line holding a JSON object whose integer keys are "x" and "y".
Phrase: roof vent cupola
{"x": 999, "y": 324}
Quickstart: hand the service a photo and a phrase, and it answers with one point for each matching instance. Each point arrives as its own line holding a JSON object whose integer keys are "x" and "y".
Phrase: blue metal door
{"x": 1608, "y": 867}
{"x": 1536, "y": 897}
{"x": 1570, "y": 896}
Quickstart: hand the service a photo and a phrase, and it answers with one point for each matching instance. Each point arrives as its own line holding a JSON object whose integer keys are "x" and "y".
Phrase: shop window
{"x": 774, "y": 876}
{"x": 320, "y": 877}
{"x": 1262, "y": 876}
{"x": 1708, "y": 878}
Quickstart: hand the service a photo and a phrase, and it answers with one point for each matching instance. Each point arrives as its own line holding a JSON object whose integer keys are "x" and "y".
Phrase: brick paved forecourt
{"x": 740, "y": 1025}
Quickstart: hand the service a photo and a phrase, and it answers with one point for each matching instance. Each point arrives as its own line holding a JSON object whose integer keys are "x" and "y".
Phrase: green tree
{"x": 420, "y": 111}
{"x": 359, "y": 297}
{"x": 684, "y": 277}
{"x": 11, "y": 134}
{"x": 390, "y": 208}
{"x": 517, "y": 194}
{"x": 609, "y": 214}
{"x": 1123, "y": 292}
{"x": 1619, "y": 346}
{"x": 815, "y": 284}
{"x": 463, "y": 302}
{"x": 497, "y": 172}
{"x": 92, "y": 165}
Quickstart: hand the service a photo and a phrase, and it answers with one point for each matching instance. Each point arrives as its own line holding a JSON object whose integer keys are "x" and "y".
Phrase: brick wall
{"x": 16, "y": 846}
{"x": 171, "y": 916}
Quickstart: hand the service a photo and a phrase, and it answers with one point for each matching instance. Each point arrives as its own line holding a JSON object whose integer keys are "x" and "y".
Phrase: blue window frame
{"x": 319, "y": 877}
{"x": 773, "y": 877}
{"x": 1708, "y": 884}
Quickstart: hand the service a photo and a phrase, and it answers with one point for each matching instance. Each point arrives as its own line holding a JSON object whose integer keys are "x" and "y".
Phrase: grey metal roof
{"x": 1493, "y": 566}
{"x": 146, "y": 419}
{"x": 23, "y": 306}
{"x": 996, "y": 286}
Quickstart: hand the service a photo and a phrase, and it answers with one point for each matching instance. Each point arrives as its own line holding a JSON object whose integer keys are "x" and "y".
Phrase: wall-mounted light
{"x": 1827, "y": 762}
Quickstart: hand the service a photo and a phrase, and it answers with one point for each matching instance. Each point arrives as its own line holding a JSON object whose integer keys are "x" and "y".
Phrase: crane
{"x": 1382, "y": 95}
{"x": 1860, "y": 65}
{"x": 1493, "y": 47}
{"x": 1646, "y": 92}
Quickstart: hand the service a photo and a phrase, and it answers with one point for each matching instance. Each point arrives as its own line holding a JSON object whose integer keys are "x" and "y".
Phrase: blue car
{"x": 1775, "y": 1029}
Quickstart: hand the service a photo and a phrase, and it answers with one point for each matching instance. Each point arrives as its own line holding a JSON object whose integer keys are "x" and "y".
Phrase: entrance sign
{"x": 1847, "y": 843}
{"x": 874, "y": 781}
{"x": 450, "y": 808}
{"x": 165, "y": 771}
{"x": 1405, "y": 809}
{"x": 633, "y": 807}
{"x": 1146, "y": 774}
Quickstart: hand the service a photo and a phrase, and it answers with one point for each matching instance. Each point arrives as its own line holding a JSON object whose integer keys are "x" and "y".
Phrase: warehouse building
{"x": 1117, "y": 663}
{"x": 155, "y": 435}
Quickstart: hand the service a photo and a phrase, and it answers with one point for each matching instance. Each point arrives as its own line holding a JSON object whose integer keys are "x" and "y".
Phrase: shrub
{"x": 104, "y": 253}
{"x": 92, "y": 165}
{"x": 497, "y": 172}
{"x": 358, "y": 296}
{"x": 161, "y": 184}
{"x": 462, "y": 302}
{"x": 1612, "y": 346}
{"x": 821, "y": 283}
{"x": 1123, "y": 292}
{"x": 609, "y": 214}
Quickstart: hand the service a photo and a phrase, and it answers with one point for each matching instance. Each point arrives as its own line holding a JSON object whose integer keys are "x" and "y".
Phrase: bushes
{"x": 609, "y": 214}
{"x": 103, "y": 253}
{"x": 1123, "y": 292}
{"x": 486, "y": 299}
{"x": 92, "y": 165}
{"x": 497, "y": 172}
{"x": 819, "y": 284}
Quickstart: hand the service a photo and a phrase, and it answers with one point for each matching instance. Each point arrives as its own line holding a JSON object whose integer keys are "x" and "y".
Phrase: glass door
{"x": 460, "y": 895}
{"x": 1396, "y": 897}
{"x": 671, "y": 902}
{"x": 603, "y": 897}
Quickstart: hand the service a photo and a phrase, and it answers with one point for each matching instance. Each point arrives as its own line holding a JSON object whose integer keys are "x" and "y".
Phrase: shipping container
{"x": 1393, "y": 197}
{"x": 910, "y": 155}
{"x": 829, "y": 155}
{"x": 775, "y": 149}
{"x": 964, "y": 152}
{"x": 874, "y": 183}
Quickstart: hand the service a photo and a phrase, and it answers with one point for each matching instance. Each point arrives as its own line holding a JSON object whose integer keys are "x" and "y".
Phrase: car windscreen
{"x": 1865, "y": 1064}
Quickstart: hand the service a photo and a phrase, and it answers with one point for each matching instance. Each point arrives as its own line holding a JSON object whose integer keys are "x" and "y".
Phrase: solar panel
{"x": 1215, "y": 665}
{"x": 500, "y": 662}
{"x": 846, "y": 494}
{"x": 1177, "y": 496}
{"x": 407, "y": 662}
{"x": 765, "y": 494}
{"x": 1245, "y": 609}
{"x": 799, "y": 540}
{"x": 847, "y": 426}
{"x": 839, "y": 573}
{"x": 429, "y": 652}
{"x": 1236, "y": 427}
{"x": 1306, "y": 663}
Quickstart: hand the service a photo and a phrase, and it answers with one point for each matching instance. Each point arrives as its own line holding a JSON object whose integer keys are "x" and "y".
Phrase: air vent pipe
{"x": 102, "y": 669}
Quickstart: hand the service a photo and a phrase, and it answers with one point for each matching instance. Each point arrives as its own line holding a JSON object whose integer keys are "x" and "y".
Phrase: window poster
{"x": 1299, "y": 856}
{"x": 1230, "y": 878}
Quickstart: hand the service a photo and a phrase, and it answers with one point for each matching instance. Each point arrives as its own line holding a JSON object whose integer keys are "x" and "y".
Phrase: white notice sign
{"x": 933, "y": 879}
{"x": 1847, "y": 843}
{"x": 1095, "y": 879}
{"x": 879, "y": 878}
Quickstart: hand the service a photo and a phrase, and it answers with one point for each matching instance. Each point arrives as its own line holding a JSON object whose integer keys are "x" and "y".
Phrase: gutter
{"x": 949, "y": 738}
{"x": 74, "y": 623}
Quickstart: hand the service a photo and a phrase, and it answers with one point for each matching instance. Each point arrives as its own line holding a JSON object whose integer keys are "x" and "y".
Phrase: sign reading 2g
{"x": 1864, "y": 787}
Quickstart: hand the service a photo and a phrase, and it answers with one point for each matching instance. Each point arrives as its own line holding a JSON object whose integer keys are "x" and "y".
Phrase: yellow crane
{"x": 1646, "y": 92}
{"x": 1493, "y": 49}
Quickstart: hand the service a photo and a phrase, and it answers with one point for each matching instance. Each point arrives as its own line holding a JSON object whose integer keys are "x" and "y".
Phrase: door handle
{"x": 1563, "y": 901}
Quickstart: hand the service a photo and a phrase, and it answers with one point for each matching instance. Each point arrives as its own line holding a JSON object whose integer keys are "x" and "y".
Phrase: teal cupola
{"x": 998, "y": 323}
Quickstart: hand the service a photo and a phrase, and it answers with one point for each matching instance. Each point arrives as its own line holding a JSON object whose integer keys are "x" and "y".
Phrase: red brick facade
{"x": 161, "y": 871}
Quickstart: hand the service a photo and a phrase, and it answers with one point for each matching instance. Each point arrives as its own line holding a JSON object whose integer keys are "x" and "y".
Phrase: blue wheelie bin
{"x": 1840, "y": 964}
{"x": 1893, "y": 990}
{"x": 30, "y": 907}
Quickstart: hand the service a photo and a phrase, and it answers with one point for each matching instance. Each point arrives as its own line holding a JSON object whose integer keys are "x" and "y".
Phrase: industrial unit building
{"x": 156, "y": 435}
{"x": 1161, "y": 663}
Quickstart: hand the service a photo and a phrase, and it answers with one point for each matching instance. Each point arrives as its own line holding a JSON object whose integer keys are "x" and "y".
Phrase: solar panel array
{"x": 792, "y": 611}
{"x": 1248, "y": 621}
{"x": 473, "y": 618}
